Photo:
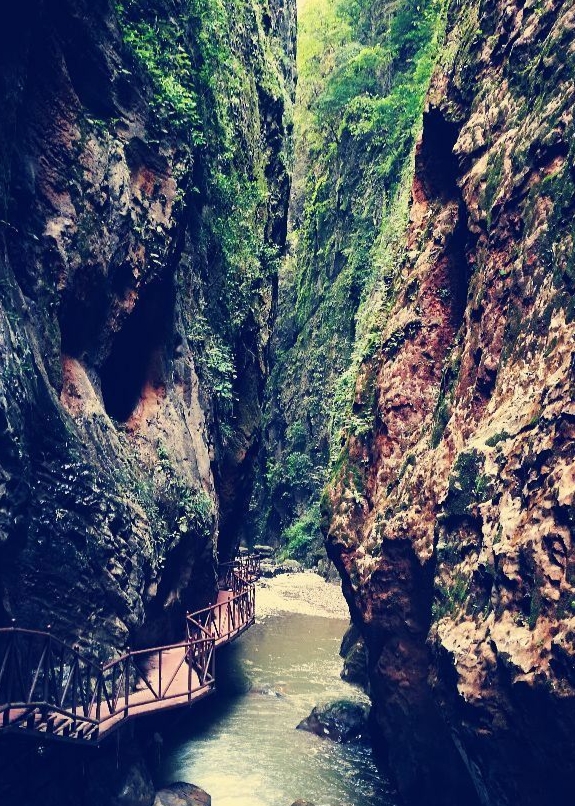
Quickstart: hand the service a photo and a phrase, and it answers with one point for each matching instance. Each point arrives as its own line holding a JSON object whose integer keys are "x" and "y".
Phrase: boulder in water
{"x": 182, "y": 794}
{"x": 341, "y": 721}
{"x": 269, "y": 569}
{"x": 128, "y": 784}
{"x": 350, "y": 637}
{"x": 266, "y": 692}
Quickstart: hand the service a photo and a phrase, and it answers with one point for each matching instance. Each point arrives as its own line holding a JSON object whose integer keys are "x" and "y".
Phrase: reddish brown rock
{"x": 452, "y": 521}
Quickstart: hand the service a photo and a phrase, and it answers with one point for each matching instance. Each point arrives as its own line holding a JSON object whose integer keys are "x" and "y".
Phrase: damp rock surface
{"x": 182, "y": 794}
{"x": 341, "y": 721}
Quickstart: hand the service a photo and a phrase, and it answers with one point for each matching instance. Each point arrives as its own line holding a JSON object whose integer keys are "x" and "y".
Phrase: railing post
{"x": 99, "y": 693}
{"x": 8, "y": 671}
{"x": 74, "y": 673}
{"x": 160, "y": 672}
{"x": 127, "y": 682}
{"x": 189, "y": 651}
{"x": 115, "y": 694}
{"x": 47, "y": 664}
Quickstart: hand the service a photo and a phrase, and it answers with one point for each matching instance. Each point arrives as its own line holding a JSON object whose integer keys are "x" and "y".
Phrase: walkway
{"x": 49, "y": 689}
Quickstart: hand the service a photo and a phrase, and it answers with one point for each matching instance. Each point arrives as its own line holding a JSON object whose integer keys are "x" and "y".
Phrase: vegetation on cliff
{"x": 363, "y": 71}
{"x": 144, "y": 182}
{"x": 450, "y": 513}
{"x": 209, "y": 96}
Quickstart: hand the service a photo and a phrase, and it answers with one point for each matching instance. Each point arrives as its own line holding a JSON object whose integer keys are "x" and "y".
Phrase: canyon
{"x": 341, "y": 324}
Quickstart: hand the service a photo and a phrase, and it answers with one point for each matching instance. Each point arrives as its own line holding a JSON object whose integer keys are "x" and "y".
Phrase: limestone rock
{"x": 355, "y": 665}
{"x": 288, "y": 567}
{"x": 116, "y": 476}
{"x": 129, "y": 784}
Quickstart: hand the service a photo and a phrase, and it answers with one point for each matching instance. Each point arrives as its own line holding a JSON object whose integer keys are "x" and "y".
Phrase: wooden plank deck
{"x": 83, "y": 702}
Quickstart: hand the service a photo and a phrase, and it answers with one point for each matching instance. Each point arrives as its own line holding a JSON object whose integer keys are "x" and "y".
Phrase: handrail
{"x": 49, "y": 687}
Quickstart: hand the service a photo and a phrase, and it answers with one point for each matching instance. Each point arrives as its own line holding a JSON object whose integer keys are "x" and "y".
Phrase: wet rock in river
{"x": 354, "y": 653}
{"x": 182, "y": 794}
{"x": 127, "y": 783}
{"x": 267, "y": 568}
{"x": 341, "y": 721}
{"x": 350, "y": 637}
{"x": 288, "y": 567}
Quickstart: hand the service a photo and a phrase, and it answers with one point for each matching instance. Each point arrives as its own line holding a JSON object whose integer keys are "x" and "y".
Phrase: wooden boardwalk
{"x": 50, "y": 690}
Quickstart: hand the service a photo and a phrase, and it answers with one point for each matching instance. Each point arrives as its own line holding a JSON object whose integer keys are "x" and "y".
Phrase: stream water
{"x": 242, "y": 746}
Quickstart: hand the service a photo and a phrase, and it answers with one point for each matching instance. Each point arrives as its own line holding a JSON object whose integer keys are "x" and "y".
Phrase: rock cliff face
{"x": 451, "y": 518}
{"x": 144, "y": 151}
{"x": 355, "y": 135}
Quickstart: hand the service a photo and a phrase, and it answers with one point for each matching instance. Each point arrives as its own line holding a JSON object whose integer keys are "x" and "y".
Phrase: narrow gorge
{"x": 299, "y": 282}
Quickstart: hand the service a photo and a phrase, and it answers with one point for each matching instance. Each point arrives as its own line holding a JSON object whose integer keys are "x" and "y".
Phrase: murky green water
{"x": 241, "y": 745}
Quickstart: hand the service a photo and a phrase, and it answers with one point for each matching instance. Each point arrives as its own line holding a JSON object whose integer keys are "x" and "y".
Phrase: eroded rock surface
{"x": 451, "y": 518}
{"x": 133, "y": 347}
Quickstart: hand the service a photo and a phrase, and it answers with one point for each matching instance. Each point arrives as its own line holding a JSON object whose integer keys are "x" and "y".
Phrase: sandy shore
{"x": 304, "y": 593}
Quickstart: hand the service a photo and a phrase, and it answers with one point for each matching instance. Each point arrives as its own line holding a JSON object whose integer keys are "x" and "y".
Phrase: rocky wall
{"x": 451, "y": 519}
{"x": 129, "y": 405}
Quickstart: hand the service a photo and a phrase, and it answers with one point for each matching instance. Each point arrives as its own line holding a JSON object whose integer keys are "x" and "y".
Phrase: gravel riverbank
{"x": 306, "y": 593}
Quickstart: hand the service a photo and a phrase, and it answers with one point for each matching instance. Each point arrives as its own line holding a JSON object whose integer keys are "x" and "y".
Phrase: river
{"x": 242, "y": 746}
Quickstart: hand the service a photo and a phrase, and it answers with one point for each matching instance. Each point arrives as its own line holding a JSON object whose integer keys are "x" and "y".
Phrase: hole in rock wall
{"x": 82, "y": 313}
{"x": 439, "y": 171}
{"x": 437, "y": 160}
{"x": 458, "y": 269}
{"x": 137, "y": 353}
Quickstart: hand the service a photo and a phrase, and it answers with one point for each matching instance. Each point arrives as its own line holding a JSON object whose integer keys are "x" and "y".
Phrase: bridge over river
{"x": 50, "y": 689}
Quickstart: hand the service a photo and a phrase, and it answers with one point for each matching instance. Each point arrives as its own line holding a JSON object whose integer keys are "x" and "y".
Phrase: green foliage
{"x": 303, "y": 537}
{"x": 535, "y": 606}
{"x": 497, "y": 438}
{"x": 173, "y": 508}
{"x": 293, "y": 474}
{"x": 450, "y": 598}
{"x": 364, "y": 68}
{"x": 214, "y": 360}
{"x": 160, "y": 47}
{"x": 442, "y": 411}
{"x": 217, "y": 84}
{"x": 467, "y": 485}
{"x": 180, "y": 508}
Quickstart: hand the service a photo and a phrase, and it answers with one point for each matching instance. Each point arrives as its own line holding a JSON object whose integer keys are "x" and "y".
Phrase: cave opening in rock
{"x": 439, "y": 174}
{"x": 437, "y": 159}
{"x": 137, "y": 354}
{"x": 83, "y": 311}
